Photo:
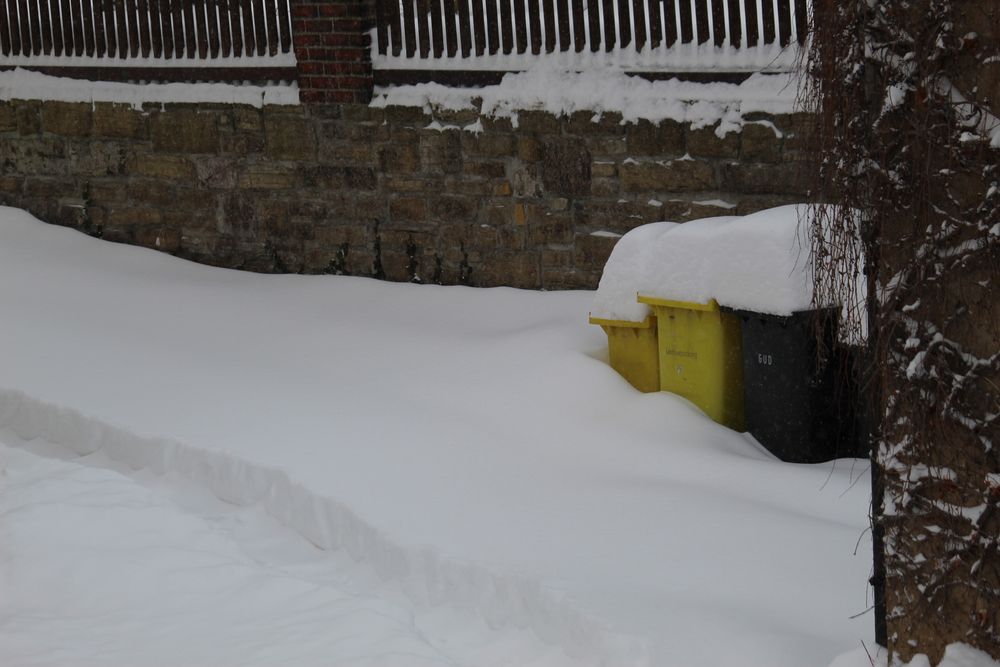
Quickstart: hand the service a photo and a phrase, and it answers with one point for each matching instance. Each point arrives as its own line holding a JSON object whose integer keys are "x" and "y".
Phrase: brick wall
{"x": 377, "y": 192}
{"x": 332, "y": 50}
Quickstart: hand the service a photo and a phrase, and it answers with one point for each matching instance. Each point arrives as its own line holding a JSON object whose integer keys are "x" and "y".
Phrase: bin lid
{"x": 712, "y": 305}
{"x": 647, "y": 323}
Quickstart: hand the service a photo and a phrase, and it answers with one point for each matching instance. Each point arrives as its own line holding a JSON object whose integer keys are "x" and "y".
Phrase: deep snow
{"x": 471, "y": 447}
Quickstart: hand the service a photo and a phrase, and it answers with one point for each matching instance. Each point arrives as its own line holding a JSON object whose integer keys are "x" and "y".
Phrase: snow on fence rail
{"x": 680, "y": 35}
{"x": 150, "y": 39}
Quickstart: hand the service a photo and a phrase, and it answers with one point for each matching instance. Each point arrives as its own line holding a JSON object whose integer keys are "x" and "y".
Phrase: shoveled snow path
{"x": 470, "y": 445}
{"x": 126, "y": 568}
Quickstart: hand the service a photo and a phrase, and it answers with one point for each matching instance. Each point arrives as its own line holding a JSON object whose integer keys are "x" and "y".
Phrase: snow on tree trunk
{"x": 909, "y": 94}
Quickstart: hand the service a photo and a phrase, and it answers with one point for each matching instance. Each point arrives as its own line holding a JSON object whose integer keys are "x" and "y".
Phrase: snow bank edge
{"x": 502, "y": 600}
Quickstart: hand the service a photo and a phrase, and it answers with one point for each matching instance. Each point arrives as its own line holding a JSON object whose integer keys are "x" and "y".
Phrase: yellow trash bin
{"x": 700, "y": 357}
{"x": 632, "y": 350}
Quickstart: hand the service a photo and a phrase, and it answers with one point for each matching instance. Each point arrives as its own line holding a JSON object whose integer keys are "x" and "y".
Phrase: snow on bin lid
{"x": 757, "y": 262}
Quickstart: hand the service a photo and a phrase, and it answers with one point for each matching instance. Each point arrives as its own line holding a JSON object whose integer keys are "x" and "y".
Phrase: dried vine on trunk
{"x": 909, "y": 146}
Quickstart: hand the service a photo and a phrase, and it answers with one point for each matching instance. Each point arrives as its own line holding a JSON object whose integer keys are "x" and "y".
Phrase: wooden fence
{"x": 165, "y": 32}
{"x": 463, "y": 28}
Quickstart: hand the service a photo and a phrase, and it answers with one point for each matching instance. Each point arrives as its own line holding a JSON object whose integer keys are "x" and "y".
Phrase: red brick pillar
{"x": 333, "y": 50}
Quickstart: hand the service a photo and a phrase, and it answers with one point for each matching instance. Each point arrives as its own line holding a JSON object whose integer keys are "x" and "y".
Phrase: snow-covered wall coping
{"x": 553, "y": 89}
{"x": 22, "y": 84}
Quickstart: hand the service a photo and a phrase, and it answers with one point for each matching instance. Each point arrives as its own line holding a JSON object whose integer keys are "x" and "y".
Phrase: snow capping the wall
{"x": 22, "y": 84}
{"x": 502, "y": 600}
{"x": 758, "y": 262}
{"x": 550, "y": 88}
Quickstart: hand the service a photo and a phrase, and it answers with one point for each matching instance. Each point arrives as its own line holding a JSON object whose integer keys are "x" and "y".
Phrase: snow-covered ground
{"x": 313, "y": 469}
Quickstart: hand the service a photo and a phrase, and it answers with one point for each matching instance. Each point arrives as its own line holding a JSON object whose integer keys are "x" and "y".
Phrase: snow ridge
{"x": 503, "y": 600}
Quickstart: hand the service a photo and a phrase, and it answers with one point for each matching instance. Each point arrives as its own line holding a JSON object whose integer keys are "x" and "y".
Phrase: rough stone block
{"x": 664, "y": 138}
{"x": 489, "y": 144}
{"x": 507, "y": 268}
{"x": 407, "y": 184}
{"x": 540, "y": 122}
{"x": 566, "y": 167}
{"x": 471, "y": 236}
{"x": 99, "y": 158}
{"x": 33, "y": 156}
{"x": 441, "y": 152}
{"x": 586, "y": 123}
{"x": 338, "y": 178}
{"x": 151, "y": 194}
{"x": 799, "y": 130}
{"x": 604, "y": 187}
{"x": 397, "y": 265}
{"x": 512, "y": 238}
{"x": 674, "y": 209}
{"x": 759, "y": 142}
{"x": 368, "y": 206}
{"x": 399, "y": 115}
{"x": 591, "y": 252}
{"x": 603, "y": 169}
{"x": 786, "y": 178}
{"x": 49, "y": 188}
{"x": 119, "y": 121}
{"x": 239, "y": 216}
{"x": 354, "y": 131}
{"x": 29, "y": 118}
{"x": 241, "y": 143}
{"x": 248, "y": 119}
{"x": 408, "y": 209}
{"x": 359, "y": 113}
{"x": 11, "y": 184}
{"x": 267, "y": 177}
{"x": 8, "y": 118}
{"x": 704, "y": 142}
{"x": 185, "y": 131}
{"x": 132, "y": 217}
{"x": 400, "y": 159}
{"x": 289, "y": 138}
{"x": 606, "y": 146}
{"x": 67, "y": 119}
{"x": 565, "y": 279}
{"x": 117, "y": 233}
{"x": 166, "y": 239}
{"x": 106, "y": 191}
{"x": 705, "y": 209}
{"x": 464, "y": 186}
{"x": 529, "y": 149}
{"x": 485, "y": 169}
{"x": 617, "y": 216}
{"x": 672, "y": 176}
{"x": 334, "y": 151}
{"x": 162, "y": 166}
{"x": 216, "y": 172}
{"x": 546, "y": 228}
{"x": 526, "y": 181}
{"x": 454, "y": 209}
{"x": 557, "y": 258}
{"x": 498, "y": 214}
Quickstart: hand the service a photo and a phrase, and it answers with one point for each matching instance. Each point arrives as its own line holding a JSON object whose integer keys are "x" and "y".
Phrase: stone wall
{"x": 350, "y": 189}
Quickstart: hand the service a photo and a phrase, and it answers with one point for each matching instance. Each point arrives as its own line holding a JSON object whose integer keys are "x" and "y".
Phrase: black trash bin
{"x": 800, "y": 410}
